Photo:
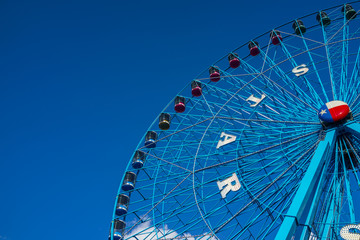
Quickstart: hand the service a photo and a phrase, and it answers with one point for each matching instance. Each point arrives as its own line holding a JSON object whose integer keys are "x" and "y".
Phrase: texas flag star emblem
{"x": 333, "y": 111}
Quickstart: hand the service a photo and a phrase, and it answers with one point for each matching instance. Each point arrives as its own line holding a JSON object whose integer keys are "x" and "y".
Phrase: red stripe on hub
{"x": 340, "y": 112}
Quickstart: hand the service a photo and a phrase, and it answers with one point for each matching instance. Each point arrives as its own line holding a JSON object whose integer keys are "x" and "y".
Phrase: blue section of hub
{"x": 324, "y": 114}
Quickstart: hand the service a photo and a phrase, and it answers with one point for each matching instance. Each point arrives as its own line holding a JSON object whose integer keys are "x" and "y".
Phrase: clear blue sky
{"x": 81, "y": 81}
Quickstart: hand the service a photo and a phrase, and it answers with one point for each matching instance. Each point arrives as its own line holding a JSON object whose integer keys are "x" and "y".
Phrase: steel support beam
{"x": 353, "y": 128}
{"x": 306, "y": 233}
{"x": 307, "y": 188}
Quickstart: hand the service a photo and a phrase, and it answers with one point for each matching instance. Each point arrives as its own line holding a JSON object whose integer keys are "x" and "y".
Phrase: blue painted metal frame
{"x": 314, "y": 204}
{"x": 311, "y": 186}
{"x": 307, "y": 187}
{"x": 353, "y": 128}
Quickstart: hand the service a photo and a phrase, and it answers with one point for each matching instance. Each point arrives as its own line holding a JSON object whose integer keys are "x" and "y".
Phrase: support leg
{"x": 307, "y": 187}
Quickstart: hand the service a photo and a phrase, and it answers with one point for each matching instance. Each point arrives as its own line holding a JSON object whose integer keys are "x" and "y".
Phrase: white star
{"x": 323, "y": 112}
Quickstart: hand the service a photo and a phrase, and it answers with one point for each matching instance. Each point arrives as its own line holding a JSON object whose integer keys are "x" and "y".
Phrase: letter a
{"x": 230, "y": 184}
{"x": 300, "y": 70}
{"x": 228, "y": 138}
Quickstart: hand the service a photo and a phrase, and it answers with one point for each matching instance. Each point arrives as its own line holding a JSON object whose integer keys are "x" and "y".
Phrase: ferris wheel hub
{"x": 333, "y": 111}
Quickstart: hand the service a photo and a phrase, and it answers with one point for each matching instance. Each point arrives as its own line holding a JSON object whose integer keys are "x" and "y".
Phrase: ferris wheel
{"x": 265, "y": 144}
